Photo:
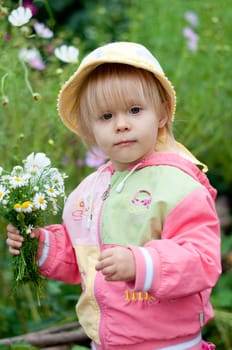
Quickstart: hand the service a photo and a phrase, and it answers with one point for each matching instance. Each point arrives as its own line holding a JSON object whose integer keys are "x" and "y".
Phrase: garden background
{"x": 192, "y": 40}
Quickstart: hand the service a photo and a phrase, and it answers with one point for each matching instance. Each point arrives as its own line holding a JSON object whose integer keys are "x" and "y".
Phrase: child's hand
{"x": 117, "y": 264}
{"x": 15, "y": 240}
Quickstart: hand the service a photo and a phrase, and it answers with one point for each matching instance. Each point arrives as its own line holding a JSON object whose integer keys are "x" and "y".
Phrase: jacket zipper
{"x": 104, "y": 197}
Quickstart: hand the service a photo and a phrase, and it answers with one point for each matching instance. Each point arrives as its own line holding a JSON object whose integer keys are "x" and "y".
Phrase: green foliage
{"x": 30, "y": 123}
{"x": 201, "y": 78}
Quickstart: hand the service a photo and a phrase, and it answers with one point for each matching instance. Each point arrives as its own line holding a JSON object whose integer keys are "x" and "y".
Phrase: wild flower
{"x": 3, "y": 192}
{"x": 43, "y": 31}
{"x": 35, "y": 46}
{"x": 29, "y": 194}
{"x": 95, "y": 158}
{"x": 38, "y": 162}
{"x": 39, "y": 201}
{"x": 31, "y": 5}
{"x": 192, "y": 38}
{"x": 18, "y": 181}
{"x": 68, "y": 54}
{"x": 192, "y": 18}
{"x": 32, "y": 57}
{"x": 20, "y": 16}
{"x": 189, "y": 33}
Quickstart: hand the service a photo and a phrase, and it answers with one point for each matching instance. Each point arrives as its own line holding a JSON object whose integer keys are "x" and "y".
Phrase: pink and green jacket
{"x": 163, "y": 209}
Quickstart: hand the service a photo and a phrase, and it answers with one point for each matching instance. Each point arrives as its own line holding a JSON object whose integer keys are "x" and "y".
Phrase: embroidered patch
{"x": 142, "y": 198}
{"x": 81, "y": 209}
{"x": 140, "y": 296}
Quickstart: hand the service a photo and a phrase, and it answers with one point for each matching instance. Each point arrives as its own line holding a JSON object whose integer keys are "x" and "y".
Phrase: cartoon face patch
{"x": 142, "y": 198}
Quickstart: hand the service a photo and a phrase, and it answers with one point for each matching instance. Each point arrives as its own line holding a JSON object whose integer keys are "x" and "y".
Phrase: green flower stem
{"x": 25, "y": 268}
{"x": 33, "y": 308}
{"x": 49, "y": 11}
{"x": 26, "y": 77}
{"x": 2, "y": 87}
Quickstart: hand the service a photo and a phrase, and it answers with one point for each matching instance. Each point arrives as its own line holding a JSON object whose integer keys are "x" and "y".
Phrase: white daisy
{"x": 29, "y": 229}
{"x": 68, "y": 54}
{"x": 27, "y": 207}
{"x": 17, "y": 170}
{"x": 3, "y": 192}
{"x": 20, "y": 16}
{"x": 57, "y": 177}
{"x": 18, "y": 181}
{"x": 18, "y": 207}
{"x": 51, "y": 191}
{"x": 40, "y": 201}
{"x": 36, "y": 162}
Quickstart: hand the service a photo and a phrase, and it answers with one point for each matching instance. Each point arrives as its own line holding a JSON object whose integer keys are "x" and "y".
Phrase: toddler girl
{"x": 141, "y": 233}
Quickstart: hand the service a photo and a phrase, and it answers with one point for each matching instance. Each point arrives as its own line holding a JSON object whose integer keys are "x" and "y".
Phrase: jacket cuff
{"x": 147, "y": 264}
{"x": 43, "y": 247}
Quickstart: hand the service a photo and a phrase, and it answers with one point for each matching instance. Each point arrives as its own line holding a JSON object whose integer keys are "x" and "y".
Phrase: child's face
{"x": 127, "y": 135}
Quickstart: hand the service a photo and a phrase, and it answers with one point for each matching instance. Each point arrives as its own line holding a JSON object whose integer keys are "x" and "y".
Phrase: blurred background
{"x": 193, "y": 42}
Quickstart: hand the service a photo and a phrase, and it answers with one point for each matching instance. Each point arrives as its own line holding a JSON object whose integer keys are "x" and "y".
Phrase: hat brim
{"x": 68, "y": 96}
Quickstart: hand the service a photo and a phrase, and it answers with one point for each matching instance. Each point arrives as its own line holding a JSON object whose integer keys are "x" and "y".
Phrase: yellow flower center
{"x": 26, "y": 205}
{"x": 1, "y": 194}
{"x": 17, "y": 206}
{"x": 41, "y": 200}
{"x": 18, "y": 179}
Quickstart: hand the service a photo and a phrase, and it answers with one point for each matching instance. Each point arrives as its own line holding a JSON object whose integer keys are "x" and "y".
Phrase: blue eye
{"x": 106, "y": 116}
{"x": 135, "y": 110}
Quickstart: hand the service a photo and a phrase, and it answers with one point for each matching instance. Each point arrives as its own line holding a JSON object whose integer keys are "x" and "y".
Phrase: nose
{"x": 122, "y": 123}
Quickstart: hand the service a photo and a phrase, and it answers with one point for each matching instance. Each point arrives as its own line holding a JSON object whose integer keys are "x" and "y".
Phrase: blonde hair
{"x": 113, "y": 85}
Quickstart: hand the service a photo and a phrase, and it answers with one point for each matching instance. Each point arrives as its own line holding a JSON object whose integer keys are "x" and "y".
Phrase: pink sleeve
{"x": 56, "y": 256}
{"x": 187, "y": 258}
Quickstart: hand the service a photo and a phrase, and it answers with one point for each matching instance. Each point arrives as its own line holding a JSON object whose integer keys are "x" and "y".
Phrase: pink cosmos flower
{"x": 36, "y": 63}
{"x": 192, "y": 18}
{"x": 192, "y": 38}
{"x": 30, "y": 4}
{"x": 95, "y": 158}
{"x": 32, "y": 57}
{"x": 43, "y": 31}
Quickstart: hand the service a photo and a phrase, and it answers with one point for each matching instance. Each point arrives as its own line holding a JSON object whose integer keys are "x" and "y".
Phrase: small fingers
{"x": 14, "y": 246}
{"x": 12, "y": 229}
{"x": 14, "y": 240}
{"x": 14, "y": 251}
{"x": 107, "y": 269}
{"x": 35, "y": 233}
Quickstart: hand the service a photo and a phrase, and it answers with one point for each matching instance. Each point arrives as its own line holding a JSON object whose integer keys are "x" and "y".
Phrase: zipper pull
{"x": 106, "y": 193}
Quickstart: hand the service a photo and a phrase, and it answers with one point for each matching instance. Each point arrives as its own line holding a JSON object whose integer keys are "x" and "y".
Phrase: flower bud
{"x": 51, "y": 142}
{"x": 36, "y": 96}
{"x": 5, "y": 100}
{"x": 59, "y": 71}
{"x": 3, "y": 11}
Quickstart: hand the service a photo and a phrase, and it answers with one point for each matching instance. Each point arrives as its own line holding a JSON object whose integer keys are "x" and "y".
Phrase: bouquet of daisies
{"x": 28, "y": 195}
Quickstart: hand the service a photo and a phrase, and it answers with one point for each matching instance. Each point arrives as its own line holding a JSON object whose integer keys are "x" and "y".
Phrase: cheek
{"x": 100, "y": 138}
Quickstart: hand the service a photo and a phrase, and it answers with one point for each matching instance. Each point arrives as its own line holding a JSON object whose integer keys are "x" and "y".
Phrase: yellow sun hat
{"x": 130, "y": 53}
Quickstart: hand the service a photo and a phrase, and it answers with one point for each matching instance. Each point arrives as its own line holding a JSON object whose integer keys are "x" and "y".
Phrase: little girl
{"x": 140, "y": 234}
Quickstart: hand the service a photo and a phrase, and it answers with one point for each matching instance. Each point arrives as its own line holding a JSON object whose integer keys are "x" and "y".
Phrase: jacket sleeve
{"x": 187, "y": 258}
{"x": 56, "y": 256}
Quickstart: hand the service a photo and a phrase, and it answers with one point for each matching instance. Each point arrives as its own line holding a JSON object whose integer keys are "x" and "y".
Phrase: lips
{"x": 124, "y": 142}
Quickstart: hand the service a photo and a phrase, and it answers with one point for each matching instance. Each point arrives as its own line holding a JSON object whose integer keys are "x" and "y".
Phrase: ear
{"x": 163, "y": 118}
